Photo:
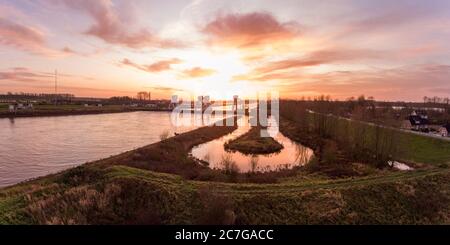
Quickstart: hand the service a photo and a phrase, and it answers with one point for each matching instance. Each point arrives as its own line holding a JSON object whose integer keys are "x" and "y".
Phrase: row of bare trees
{"x": 436, "y": 100}
{"x": 144, "y": 95}
{"x": 362, "y": 141}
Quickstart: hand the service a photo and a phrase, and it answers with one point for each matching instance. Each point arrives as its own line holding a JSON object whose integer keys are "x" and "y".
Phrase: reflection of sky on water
{"x": 293, "y": 154}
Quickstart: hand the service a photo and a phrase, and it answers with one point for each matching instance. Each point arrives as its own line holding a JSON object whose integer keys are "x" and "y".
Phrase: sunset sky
{"x": 392, "y": 50}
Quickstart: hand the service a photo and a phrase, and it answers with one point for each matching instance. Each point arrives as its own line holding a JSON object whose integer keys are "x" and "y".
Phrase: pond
{"x": 293, "y": 154}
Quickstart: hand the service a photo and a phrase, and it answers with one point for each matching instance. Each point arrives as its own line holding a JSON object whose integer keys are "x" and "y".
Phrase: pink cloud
{"x": 110, "y": 28}
{"x": 249, "y": 30}
{"x": 21, "y": 74}
{"x": 24, "y": 38}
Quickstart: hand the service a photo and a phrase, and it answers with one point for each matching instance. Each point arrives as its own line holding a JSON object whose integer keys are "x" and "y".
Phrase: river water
{"x": 33, "y": 147}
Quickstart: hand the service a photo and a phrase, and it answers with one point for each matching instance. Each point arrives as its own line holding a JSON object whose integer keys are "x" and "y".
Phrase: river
{"x": 33, "y": 147}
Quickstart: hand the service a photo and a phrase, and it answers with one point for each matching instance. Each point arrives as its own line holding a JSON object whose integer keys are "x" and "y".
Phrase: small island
{"x": 253, "y": 143}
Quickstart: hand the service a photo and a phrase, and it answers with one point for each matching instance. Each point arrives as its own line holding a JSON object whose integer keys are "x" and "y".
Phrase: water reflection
{"x": 213, "y": 152}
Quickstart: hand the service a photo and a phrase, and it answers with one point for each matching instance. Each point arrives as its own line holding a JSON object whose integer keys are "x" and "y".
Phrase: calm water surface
{"x": 293, "y": 154}
{"x": 33, "y": 147}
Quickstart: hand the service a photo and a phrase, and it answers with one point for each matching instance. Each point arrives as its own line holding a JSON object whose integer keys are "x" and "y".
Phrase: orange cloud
{"x": 197, "y": 72}
{"x": 159, "y": 66}
{"x": 248, "y": 30}
{"x": 163, "y": 65}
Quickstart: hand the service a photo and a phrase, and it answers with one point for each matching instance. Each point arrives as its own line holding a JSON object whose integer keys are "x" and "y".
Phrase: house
{"x": 417, "y": 122}
{"x": 444, "y": 131}
{"x": 20, "y": 106}
{"x": 12, "y": 108}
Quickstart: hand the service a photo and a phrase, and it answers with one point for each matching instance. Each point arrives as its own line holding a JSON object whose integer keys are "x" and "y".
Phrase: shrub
{"x": 164, "y": 135}
{"x": 216, "y": 209}
{"x": 229, "y": 165}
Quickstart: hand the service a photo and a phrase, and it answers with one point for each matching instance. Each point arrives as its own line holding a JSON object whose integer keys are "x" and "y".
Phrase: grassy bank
{"x": 64, "y": 110}
{"x": 124, "y": 195}
{"x": 252, "y": 143}
{"x": 379, "y": 143}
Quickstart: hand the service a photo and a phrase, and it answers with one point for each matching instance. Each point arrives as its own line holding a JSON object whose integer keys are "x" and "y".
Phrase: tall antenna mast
{"x": 56, "y": 82}
{"x": 56, "y": 86}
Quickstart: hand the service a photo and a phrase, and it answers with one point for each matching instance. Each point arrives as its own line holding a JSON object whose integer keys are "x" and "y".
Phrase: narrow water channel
{"x": 292, "y": 155}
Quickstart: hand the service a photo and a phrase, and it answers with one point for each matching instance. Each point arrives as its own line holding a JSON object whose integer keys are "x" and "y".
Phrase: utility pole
{"x": 56, "y": 87}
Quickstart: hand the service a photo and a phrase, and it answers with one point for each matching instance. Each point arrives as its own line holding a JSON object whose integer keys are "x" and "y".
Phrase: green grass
{"x": 423, "y": 149}
{"x": 3, "y": 107}
{"x": 358, "y": 137}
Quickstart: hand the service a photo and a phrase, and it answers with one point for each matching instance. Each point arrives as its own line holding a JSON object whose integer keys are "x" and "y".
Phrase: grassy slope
{"x": 119, "y": 194}
{"x": 425, "y": 149}
{"x": 412, "y": 147}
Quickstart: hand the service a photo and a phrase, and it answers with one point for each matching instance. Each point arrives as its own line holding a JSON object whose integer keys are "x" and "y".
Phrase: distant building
{"x": 417, "y": 122}
{"x": 20, "y": 106}
{"x": 12, "y": 108}
{"x": 444, "y": 131}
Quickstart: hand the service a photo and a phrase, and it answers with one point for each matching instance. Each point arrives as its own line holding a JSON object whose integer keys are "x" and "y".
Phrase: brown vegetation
{"x": 252, "y": 143}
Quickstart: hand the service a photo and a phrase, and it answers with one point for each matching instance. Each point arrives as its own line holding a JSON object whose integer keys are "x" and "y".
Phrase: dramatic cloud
{"x": 110, "y": 28}
{"x": 159, "y": 66}
{"x": 248, "y": 30}
{"x": 197, "y": 72}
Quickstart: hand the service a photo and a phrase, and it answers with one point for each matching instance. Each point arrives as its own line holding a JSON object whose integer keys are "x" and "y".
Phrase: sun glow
{"x": 219, "y": 84}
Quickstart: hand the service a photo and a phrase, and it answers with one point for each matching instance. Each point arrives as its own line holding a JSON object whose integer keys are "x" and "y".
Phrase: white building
{"x": 444, "y": 131}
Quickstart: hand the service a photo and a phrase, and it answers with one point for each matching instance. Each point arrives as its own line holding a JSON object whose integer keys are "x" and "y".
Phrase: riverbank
{"x": 68, "y": 110}
{"x": 159, "y": 184}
